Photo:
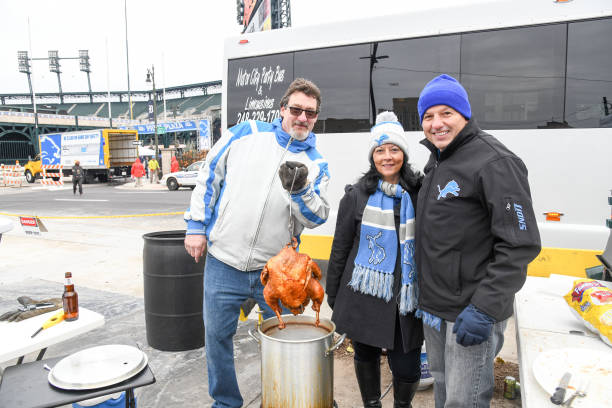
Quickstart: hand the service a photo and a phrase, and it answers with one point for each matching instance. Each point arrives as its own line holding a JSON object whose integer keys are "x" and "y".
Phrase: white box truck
{"x": 101, "y": 152}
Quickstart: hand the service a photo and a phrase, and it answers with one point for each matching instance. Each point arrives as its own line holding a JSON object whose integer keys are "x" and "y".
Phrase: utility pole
{"x": 127, "y": 59}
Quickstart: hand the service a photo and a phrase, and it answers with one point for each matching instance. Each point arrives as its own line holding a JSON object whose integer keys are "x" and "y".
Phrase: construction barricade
{"x": 53, "y": 177}
{"x": 11, "y": 175}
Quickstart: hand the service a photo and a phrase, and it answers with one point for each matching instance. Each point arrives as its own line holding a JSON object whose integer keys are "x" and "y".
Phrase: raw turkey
{"x": 293, "y": 279}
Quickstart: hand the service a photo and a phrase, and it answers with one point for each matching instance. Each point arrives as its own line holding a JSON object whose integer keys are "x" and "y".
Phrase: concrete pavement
{"x": 105, "y": 257}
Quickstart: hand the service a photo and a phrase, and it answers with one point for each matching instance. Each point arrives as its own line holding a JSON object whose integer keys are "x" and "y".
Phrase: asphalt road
{"x": 97, "y": 199}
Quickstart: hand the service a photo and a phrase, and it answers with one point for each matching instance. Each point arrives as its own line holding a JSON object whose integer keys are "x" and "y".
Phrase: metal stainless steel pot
{"x": 297, "y": 362}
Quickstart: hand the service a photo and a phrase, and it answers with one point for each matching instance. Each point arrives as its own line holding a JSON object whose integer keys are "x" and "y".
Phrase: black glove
{"x": 31, "y": 308}
{"x": 293, "y": 173}
{"x": 472, "y": 326}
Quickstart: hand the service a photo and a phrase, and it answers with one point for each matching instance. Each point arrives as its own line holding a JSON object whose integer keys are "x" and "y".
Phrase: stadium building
{"x": 179, "y": 110}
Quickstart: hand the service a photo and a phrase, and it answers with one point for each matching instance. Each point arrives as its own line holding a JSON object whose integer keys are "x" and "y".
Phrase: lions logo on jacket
{"x": 450, "y": 188}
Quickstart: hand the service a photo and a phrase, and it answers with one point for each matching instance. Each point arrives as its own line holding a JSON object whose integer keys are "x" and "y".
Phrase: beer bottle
{"x": 70, "y": 299}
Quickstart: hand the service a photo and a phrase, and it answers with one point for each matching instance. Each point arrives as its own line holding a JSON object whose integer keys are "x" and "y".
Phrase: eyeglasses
{"x": 310, "y": 114}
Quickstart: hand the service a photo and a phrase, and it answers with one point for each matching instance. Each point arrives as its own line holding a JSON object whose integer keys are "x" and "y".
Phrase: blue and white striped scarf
{"x": 375, "y": 260}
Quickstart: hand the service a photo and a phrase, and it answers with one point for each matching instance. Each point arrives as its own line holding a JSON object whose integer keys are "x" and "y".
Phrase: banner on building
{"x": 201, "y": 126}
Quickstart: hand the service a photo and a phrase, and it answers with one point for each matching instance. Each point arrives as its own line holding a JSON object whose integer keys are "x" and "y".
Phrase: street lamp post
{"x": 151, "y": 78}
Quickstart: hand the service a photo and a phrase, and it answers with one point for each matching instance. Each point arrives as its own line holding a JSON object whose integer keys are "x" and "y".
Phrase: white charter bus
{"x": 538, "y": 74}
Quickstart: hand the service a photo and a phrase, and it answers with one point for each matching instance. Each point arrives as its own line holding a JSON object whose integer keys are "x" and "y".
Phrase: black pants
{"x": 78, "y": 182}
{"x": 405, "y": 367}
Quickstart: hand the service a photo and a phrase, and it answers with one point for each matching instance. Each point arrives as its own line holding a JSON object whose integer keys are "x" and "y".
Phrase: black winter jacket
{"x": 77, "y": 173}
{"x": 364, "y": 318}
{"x": 475, "y": 227}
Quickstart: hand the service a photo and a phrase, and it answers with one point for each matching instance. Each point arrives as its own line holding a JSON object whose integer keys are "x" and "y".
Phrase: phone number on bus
{"x": 263, "y": 115}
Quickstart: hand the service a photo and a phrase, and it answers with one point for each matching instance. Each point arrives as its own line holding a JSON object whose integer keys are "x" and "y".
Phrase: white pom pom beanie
{"x": 388, "y": 130}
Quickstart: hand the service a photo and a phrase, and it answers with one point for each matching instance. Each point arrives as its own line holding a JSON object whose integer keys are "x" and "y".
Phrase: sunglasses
{"x": 310, "y": 114}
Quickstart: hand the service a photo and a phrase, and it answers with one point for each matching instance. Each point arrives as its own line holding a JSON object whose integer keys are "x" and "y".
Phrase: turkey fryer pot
{"x": 297, "y": 362}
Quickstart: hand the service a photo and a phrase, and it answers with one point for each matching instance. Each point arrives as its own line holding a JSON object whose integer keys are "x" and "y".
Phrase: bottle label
{"x": 424, "y": 367}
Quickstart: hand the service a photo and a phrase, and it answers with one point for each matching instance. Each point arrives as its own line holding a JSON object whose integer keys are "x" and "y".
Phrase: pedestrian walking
{"x": 138, "y": 172}
{"x": 145, "y": 164}
{"x": 153, "y": 169}
{"x": 174, "y": 165}
{"x": 78, "y": 174}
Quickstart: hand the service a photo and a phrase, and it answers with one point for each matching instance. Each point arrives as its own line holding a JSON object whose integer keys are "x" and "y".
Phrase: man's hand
{"x": 293, "y": 173}
{"x": 472, "y": 326}
{"x": 195, "y": 246}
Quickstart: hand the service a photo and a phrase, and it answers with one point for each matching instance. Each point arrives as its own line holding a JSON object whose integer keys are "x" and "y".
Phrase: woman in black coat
{"x": 369, "y": 303}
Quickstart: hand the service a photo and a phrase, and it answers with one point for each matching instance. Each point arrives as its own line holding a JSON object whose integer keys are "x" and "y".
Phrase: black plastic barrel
{"x": 173, "y": 292}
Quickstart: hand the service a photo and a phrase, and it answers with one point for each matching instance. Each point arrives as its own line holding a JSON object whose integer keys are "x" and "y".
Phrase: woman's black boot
{"x": 403, "y": 392}
{"x": 368, "y": 378}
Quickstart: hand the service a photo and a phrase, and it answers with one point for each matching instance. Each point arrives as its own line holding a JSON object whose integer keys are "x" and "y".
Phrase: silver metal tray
{"x": 97, "y": 367}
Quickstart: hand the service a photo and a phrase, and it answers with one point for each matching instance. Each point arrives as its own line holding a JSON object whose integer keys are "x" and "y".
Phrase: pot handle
{"x": 252, "y": 334}
{"x": 335, "y": 346}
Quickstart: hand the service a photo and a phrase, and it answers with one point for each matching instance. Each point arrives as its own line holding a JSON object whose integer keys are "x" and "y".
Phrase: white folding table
{"x": 16, "y": 340}
{"x": 544, "y": 322}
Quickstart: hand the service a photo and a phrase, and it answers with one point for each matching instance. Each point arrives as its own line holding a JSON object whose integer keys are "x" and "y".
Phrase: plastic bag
{"x": 591, "y": 302}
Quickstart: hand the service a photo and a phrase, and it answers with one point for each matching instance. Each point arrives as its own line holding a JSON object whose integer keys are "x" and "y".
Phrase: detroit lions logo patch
{"x": 450, "y": 188}
{"x": 381, "y": 139}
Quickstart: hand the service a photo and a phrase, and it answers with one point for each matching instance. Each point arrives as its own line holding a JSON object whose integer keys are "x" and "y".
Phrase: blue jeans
{"x": 463, "y": 376}
{"x": 225, "y": 289}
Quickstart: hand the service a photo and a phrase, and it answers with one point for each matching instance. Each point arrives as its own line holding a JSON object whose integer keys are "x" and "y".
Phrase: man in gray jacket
{"x": 475, "y": 234}
{"x": 261, "y": 185}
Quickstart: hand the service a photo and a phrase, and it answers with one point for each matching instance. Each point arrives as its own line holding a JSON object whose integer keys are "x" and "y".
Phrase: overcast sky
{"x": 182, "y": 38}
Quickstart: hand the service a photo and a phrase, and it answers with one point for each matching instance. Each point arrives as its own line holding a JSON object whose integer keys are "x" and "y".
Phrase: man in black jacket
{"x": 78, "y": 174}
{"x": 475, "y": 234}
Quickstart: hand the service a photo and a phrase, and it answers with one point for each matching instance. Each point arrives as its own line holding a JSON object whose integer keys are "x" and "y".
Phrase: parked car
{"x": 183, "y": 178}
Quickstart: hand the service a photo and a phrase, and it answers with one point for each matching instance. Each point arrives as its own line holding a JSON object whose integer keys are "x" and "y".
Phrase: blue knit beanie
{"x": 444, "y": 90}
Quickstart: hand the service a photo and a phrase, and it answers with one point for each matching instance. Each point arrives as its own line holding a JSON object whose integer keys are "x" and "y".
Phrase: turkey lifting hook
{"x": 290, "y": 226}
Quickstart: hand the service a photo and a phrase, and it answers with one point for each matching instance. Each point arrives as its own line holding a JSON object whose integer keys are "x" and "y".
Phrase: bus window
{"x": 256, "y": 85}
{"x": 342, "y": 75}
{"x": 405, "y": 66}
{"x": 589, "y": 74}
{"x": 515, "y": 77}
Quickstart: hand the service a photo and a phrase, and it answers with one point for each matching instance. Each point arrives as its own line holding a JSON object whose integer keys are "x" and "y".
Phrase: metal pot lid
{"x": 97, "y": 367}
